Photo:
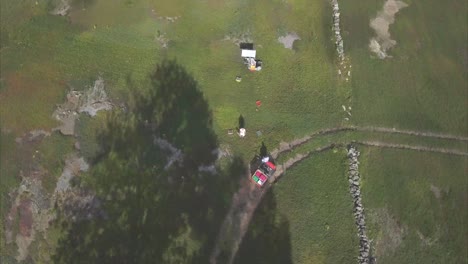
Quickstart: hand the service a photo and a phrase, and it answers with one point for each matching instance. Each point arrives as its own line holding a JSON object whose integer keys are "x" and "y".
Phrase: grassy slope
{"x": 404, "y": 189}
{"x": 315, "y": 199}
{"x": 424, "y": 85}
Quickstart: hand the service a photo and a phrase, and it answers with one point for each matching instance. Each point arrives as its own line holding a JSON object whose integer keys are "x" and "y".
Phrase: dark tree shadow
{"x": 153, "y": 212}
{"x": 263, "y": 150}
{"x": 217, "y": 198}
{"x": 175, "y": 108}
{"x": 241, "y": 122}
{"x": 268, "y": 239}
{"x": 257, "y": 159}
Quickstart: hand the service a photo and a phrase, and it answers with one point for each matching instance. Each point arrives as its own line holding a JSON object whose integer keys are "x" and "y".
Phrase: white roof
{"x": 248, "y": 53}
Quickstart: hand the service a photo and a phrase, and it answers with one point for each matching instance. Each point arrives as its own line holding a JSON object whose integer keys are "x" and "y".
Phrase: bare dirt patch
{"x": 28, "y": 200}
{"x": 73, "y": 166}
{"x": 427, "y": 241}
{"x": 436, "y": 191}
{"x": 288, "y": 40}
{"x": 239, "y": 38}
{"x": 391, "y": 232}
{"x": 62, "y": 8}
{"x": 381, "y": 43}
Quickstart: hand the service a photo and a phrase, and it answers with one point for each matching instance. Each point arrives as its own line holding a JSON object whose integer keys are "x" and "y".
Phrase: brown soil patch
{"x": 26, "y": 217}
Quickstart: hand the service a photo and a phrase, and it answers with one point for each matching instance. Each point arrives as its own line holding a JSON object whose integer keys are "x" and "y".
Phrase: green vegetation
{"x": 51, "y": 154}
{"x": 315, "y": 199}
{"x": 87, "y": 130}
{"x": 268, "y": 239}
{"x": 423, "y": 86}
{"x": 416, "y": 205}
{"x": 8, "y": 180}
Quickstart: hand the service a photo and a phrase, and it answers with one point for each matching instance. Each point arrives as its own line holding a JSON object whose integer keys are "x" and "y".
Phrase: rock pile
{"x": 337, "y": 31}
{"x": 354, "y": 178}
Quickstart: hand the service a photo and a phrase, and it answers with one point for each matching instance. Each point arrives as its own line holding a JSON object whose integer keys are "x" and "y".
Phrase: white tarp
{"x": 248, "y": 53}
{"x": 242, "y": 132}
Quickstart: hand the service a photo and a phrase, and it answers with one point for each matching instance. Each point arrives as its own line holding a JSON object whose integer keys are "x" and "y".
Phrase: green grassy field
{"x": 315, "y": 199}
{"x": 423, "y": 87}
{"x": 415, "y": 213}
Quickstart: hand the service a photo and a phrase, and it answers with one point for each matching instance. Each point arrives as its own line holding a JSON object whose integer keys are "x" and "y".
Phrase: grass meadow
{"x": 315, "y": 199}
{"x": 422, "y": 87}
{"x": 415, "y": 207}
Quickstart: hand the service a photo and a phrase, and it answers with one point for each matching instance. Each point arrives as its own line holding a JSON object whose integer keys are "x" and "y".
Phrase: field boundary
{"x": 289, "y": 146}
{"x": 247, "y": 198}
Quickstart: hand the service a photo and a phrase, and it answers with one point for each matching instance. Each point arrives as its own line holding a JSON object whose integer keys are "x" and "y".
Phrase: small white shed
{"x": 248, "y": 53}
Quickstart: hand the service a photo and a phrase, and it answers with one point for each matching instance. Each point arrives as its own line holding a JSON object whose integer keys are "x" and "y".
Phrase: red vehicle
{"x": 264, "y": 171}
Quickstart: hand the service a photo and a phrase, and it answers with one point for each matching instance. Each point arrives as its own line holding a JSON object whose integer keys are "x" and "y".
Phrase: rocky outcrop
{"x": 90, "y": 101}
{"x": 355, "y": 190}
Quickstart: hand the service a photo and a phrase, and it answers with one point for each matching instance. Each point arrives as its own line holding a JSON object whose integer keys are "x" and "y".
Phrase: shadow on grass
{"x": 247, "y": 46}
{"x": 328, "y": 34}
{"x": 268, "y": 238}
{"x": 263, "y": 150}
{"x": 241, "y": 122}
{"x": 257, "y": 159}
{"x": 152, "y": 212}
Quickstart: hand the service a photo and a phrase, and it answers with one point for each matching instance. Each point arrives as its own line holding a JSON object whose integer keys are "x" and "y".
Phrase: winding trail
{"x": 248, "y": 197}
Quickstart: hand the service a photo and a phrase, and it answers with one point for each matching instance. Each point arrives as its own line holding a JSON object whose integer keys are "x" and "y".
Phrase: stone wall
{"x": 355, "y": 190}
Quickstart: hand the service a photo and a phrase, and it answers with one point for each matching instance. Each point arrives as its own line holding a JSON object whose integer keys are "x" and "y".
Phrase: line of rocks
{"x": 354, "y": 183}
{"x": 344, "y": 68}
{"x": 337, "y": 31}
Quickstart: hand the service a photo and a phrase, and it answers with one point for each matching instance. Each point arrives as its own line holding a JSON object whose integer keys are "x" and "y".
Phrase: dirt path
{"x": 288, "y": 146}
{"x": 408, "y": 132}
{"x": 237, "y": 220}
{"x": 411, "y": 147}
{"x": 246, "y": 200}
